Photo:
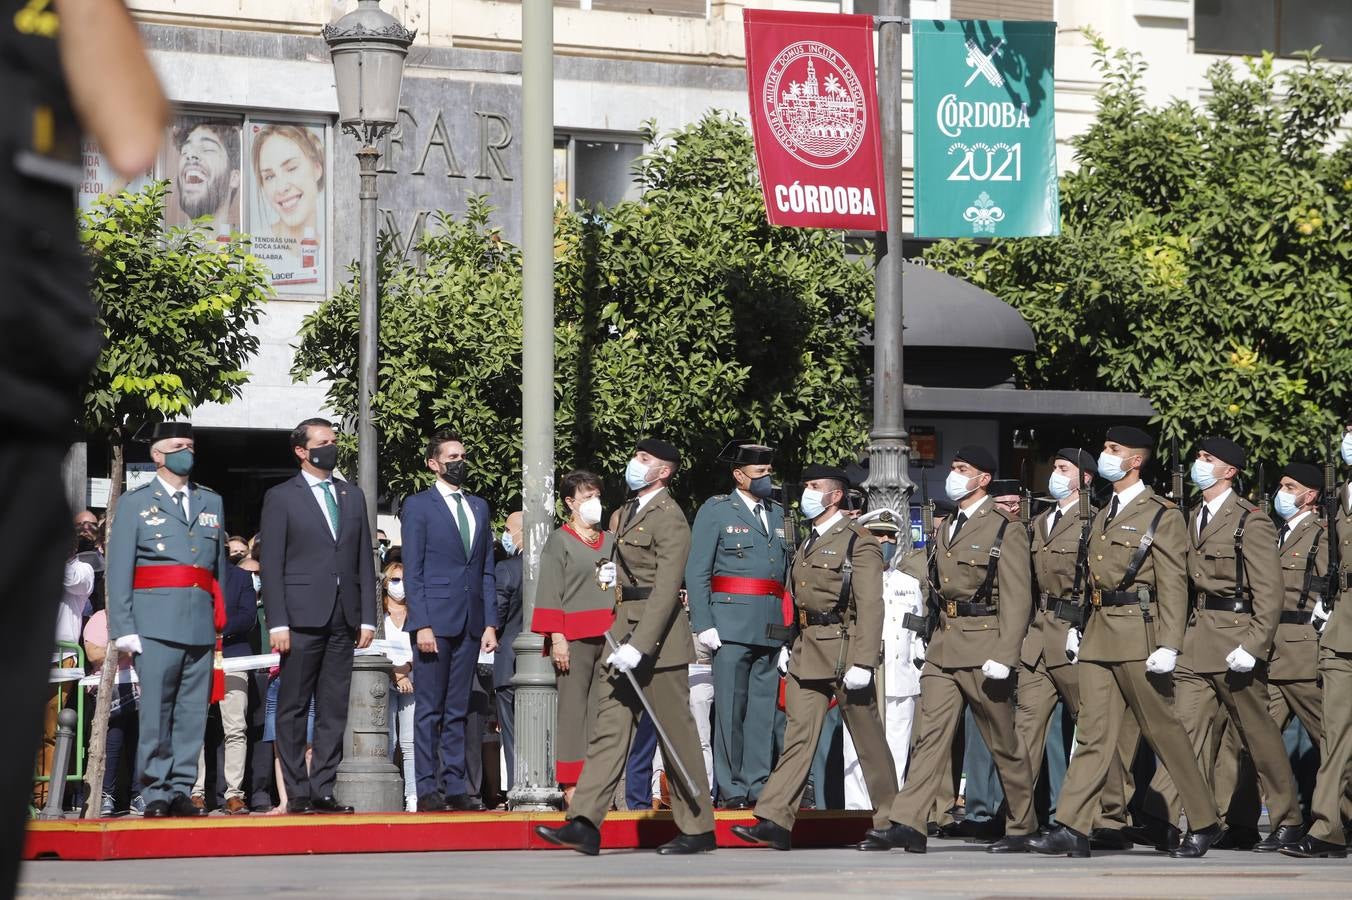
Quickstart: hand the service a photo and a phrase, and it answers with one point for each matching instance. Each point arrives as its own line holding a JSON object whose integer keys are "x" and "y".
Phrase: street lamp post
{"x": 368, "y": 47}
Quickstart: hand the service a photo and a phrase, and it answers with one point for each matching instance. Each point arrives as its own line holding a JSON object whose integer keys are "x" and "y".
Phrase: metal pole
{"x": 536, "y": 703}
{"x": 889, "y": 483}
{"x": 367, "y": 777}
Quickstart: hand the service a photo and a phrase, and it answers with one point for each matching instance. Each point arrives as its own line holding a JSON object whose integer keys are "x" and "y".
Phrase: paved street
{"x": 950, "y": 869}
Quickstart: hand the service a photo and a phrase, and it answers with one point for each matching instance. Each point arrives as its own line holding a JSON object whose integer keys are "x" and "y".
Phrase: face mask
{"x": 955, "y": 486}
{"x": 1345, "y": 448}
{"x": 85, "y": 544}
{"x": 236, "y": 558}
{"x": 453, "y": 473}
{"x": 590, "y": 510}
{"x": 1203, "y": 474}
{"x": 179, "y": 461}
{"x": 1110, "y": 467}
{"x": 508, "y": 544}
{"x": 636, "y": 475}
{"x": 257, "y": 582}
{"x": 889, "y": 551}
{"x": 760, "y": 487}
{"x": 1059, "y": 486}
{"x": 811, "y": 503}
{"x": 395, "y": 588}
{"x": 1285, "y": 504}
{"x": 324, "y": 458}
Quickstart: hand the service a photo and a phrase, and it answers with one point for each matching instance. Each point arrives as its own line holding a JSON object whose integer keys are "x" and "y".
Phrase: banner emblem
{"x": 815, "y": 104}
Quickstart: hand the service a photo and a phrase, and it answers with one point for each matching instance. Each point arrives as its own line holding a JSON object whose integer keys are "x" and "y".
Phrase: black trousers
{"x": 319, "y": 664}
{"x": 35, "y": 532}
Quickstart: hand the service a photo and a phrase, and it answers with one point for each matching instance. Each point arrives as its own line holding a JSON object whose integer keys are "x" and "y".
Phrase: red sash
{"x": 151, "y": 577}
{"x": 756, "y": 587}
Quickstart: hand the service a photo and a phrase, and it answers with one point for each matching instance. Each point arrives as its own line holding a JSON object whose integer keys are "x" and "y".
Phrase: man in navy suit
{"x": 319, "y": 592}
{"x": 452, "y": 613}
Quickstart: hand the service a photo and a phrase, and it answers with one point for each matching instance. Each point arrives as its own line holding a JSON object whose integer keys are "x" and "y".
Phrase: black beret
{"x": 1304, "y": 474}
{"x": 153, "y": 433}
{"x": 1003, "y": 487}
{"x": 977, "y": 457}
{"x": 1077, "y": 457}
{"x": 1226, "y": 450}
{"x": 1130, "y": 436}
{"x": 813, "y": 471}
{"x": 660, "y": 449}
{"x": 744, "y": 452}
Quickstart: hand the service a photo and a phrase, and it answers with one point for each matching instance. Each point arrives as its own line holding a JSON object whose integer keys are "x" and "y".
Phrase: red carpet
{"x": 129, "y": 838}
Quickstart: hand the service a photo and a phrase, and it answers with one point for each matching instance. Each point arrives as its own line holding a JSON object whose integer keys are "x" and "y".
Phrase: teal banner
{"x": 985, "y": 135}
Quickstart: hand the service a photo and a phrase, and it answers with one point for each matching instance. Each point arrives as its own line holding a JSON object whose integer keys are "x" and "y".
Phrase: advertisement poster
{"x": 985, "y": 141}
{"x": 814, "y": 117}
{"x": 286, "y": 203}
{"x": 202, "y": 165}
{"x": 98, "y": 178}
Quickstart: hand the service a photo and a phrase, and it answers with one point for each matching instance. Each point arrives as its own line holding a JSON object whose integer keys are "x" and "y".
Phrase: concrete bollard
{"x": 368, "y": 780}
{"x": 65, "y": 741}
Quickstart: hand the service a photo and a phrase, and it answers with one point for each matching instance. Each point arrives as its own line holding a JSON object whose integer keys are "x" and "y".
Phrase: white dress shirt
{"x": 826, "y": 526}
{"x": 967, "y": 514}
{"x": 1126, "y": 495}
{"x": 447, "y": 494}
{"x": 77, "y": 585}
{"x": 645, "y": 499}
{"x": 1064, "y": 510}
{"x": 751, "y": 504}
{"x": 398, "y": 636}
{"x": 1212, "y": 507}
{"x": 318, "y": 493}
{"x": 171, "y": 491}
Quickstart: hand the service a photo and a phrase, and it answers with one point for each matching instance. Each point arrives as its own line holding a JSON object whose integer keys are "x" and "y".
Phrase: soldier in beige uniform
{"x": 838, "y": 599}
{"x": 985, "y": 594}
{"x": 1129, "y": 648}
{"x": 1327, "y": 837}
{"x": 1293, "y": 667}
{"x": 1048, "y": 672}
{"x": 655, "y": 644}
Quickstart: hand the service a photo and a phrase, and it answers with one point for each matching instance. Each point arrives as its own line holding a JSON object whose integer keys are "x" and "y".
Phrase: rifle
{"x": 1332, "y": 501}
{"x": 1264, "y": 503}
{"x": 1077, "y": 612}
{"x": 926, "y": 624}
{"x": 1176, "y": 487}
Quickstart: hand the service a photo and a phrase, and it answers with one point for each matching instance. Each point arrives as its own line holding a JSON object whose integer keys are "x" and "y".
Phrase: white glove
{"x": 783, "y": 664}
{"x": 919, "y": 659}
{"x": 996, "y": 671}
{"x": 625, "y": 659}
{"x": 129, "y": 643}
{"x": 605, "y": 576}
{"x": 1161, "y": 662}
{"x": 857, "y": 677}
{"x": 1073, "y": 645}
{"x": 710, "y": 639}
{"x": 1240, "y": 660}
{"x": 1321, "y": 616}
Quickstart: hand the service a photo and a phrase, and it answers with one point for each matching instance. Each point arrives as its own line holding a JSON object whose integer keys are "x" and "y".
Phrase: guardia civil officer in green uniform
{"x": 838, "y": 599}
{"x": 166, "y": 551}
{"x": 734, "y": 585}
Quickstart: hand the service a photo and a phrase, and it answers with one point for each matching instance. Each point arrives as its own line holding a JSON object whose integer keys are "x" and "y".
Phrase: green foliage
{"x": 175, "y": 307}
{"x": 681, "y": 313}
{"x": 1205, "y": 259}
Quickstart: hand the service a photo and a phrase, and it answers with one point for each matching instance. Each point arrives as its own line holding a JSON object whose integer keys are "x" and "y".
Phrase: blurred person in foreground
{"x": 60, "y": 75}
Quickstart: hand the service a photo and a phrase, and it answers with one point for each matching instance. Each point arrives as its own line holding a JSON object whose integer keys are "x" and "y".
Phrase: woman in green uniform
{"x": 574, "y": 607}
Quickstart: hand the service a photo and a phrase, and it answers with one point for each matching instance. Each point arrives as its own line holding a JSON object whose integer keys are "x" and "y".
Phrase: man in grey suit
{"x": 165, "y": 554}
{"x": 319, "y": 592}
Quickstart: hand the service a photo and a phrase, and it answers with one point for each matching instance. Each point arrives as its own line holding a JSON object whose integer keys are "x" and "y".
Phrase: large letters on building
{"x": 985, "y": 141}
{"x": 814, "y": 116}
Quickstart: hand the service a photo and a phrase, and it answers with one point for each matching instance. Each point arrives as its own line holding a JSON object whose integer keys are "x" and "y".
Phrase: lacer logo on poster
{"x": 815, "y": 105}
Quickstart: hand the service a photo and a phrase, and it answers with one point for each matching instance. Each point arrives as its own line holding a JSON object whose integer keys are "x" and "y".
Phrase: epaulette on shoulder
{"x": 718, "y": 498}
{"x": 1246, "y": 504}
{"x": 203, "y": 487}
{"x": 1164, "y": 501}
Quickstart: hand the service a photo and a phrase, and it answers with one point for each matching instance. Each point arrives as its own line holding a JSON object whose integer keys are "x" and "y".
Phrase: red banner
{"x": 814, "y": 115}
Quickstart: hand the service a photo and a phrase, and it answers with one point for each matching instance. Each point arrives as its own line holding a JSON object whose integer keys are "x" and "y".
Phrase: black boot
{"x": 765, "y": 833}
{"x": 1195, "y": 844}
{"x": 578, "y": 833}
{"x": 1060, "y": 841}
{"x": 1280, "y": 838}
{"x": 684, "y": 844}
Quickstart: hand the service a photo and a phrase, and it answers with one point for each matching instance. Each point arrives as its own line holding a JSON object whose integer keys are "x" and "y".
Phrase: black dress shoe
{"x": 433, "y": 802}
{"x": 765, "y": 833}
{"x": 1011, "y": 843}
{"x": 685, "y": 844}
{"x": 1060, "y": 841}
{"x": 181, "y": 807}
{"x": 874, "y": 841}
{"x": 932, "y": 830}
{"x": 578, "y": 833}
{"x": 1109, "y": 839}
{"x": 328, "y": 805}
{"x": 900, "y": 836}
{"x": 1240, "y": 837}
{"x": 970, "y": 829}
{"x": 1154, "y": 833}
{"x": 1195, "y": 844}
{"x": 157, "y": 809}
{"x": 464, "y": 803}
{"x": 1308, "y": 847}
{"x": 300, "y": 807}
{"x": 1280, "y": 837}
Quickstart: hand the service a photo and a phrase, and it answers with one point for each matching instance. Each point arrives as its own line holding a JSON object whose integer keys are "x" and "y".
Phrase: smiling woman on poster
{"x": 288, "y": 203}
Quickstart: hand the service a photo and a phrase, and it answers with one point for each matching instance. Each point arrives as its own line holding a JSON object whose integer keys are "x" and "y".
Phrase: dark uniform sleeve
{"x": 1171, "y": 579}
{"x": 120, "y": 566}
{"x": 699, "y": 568}
{"x": 272, "y": 561}
{"x": 866, "y": 644}
{"x": 671, "y": 546}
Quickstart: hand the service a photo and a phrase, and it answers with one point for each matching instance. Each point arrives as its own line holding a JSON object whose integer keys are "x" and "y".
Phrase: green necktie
{"x": 462, "y": 520}
{"x": 332, "y": 505}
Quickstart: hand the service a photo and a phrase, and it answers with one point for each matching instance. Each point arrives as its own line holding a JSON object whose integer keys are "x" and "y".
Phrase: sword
{"x": 657, "y": 726}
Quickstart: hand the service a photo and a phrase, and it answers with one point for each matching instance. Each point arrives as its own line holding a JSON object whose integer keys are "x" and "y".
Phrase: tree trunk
{"x": 118, "y": 468}
{"x": 98, "y": 733}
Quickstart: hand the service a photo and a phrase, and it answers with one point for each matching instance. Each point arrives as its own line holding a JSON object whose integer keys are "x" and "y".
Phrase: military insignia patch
{"x": 779, "y": 533}
{"x": 155, "y": 522}
{"x": 208, "y": 520}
